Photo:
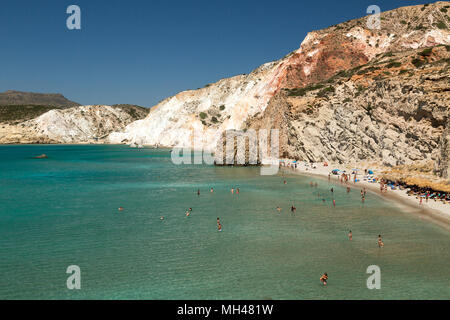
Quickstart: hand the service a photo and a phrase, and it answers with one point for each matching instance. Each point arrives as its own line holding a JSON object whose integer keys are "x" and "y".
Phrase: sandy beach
{"x": 435, "y": 211}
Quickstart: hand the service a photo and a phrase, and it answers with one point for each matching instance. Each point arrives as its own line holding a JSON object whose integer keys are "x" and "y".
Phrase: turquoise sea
{"x": 63, "y": 211}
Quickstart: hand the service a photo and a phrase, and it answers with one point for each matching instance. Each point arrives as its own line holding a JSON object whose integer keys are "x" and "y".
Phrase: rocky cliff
{"x": 83, "y": 124}
{"x": 393, "y": 110}
{"x": 384, "y": 100}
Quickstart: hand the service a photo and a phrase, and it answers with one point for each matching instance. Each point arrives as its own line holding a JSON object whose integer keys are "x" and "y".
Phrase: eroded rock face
{"x": 84, "y": 124}
{"x": 442, "y": 166}
{"x": 393, "y": 110}
{"x": 230, "y": 103}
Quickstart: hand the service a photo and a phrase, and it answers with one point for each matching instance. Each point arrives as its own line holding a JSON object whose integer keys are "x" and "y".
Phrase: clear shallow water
{"x": 63, "y": 210}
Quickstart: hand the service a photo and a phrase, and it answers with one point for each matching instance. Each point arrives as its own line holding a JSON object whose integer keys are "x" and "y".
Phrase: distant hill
{"x": 12, "y": 97}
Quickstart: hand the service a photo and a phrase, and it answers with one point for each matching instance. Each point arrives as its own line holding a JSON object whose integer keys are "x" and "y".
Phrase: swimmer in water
{"x": 278, "y": 209}
{"x": 293, "y": 209}
{"x": 348, "y": 189}
{"x": 120, "y": 209}
{"x": 350, "y": 235}
{"x": 219, "y": 226}
{"x": 198, "y": 192}
{"x": 324, "y": 279}
{"x": 285, "y": 182}
{"x": 232, "y": 190}
{"x": 212, "y": 190}
{"x": 334, "y": 203}
{"x": 188, "y": 213}
{"x": 237, "y": 190}
{"x": 332, "y": 190}
{"x": 161, "y": 218}
{"x": 380, "y": 242}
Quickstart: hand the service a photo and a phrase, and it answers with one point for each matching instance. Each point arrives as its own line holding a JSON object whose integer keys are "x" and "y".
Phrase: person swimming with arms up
{"x": 324, "y": 279}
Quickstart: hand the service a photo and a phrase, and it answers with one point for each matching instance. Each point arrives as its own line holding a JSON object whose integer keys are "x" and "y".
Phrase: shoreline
{"x": 436, "y": 212}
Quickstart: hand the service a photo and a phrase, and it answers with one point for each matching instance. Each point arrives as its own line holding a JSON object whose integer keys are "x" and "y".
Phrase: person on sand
{"x": 324, "y": 279}
{"x": 329, "y": 176}
{"x": 350, "y": 235}
{"x": 380, "y": 241}
{"x": 420, "y": 200}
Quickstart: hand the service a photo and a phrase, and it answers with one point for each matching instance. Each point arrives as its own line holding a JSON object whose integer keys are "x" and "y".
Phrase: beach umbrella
{"x": 369, "y": 171}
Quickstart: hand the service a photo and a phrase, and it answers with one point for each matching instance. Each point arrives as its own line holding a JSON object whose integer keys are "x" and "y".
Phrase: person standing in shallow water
{"x": 324, "y": 279}
{"x": 198, "y": 192}
{"x": 380, "y": 242}
{"x": 219, "y": 226}
{"x": 350, "y": 235}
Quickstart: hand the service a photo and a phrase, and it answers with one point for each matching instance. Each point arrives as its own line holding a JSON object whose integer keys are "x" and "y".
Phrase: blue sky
{"x": 141, "y": 52}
